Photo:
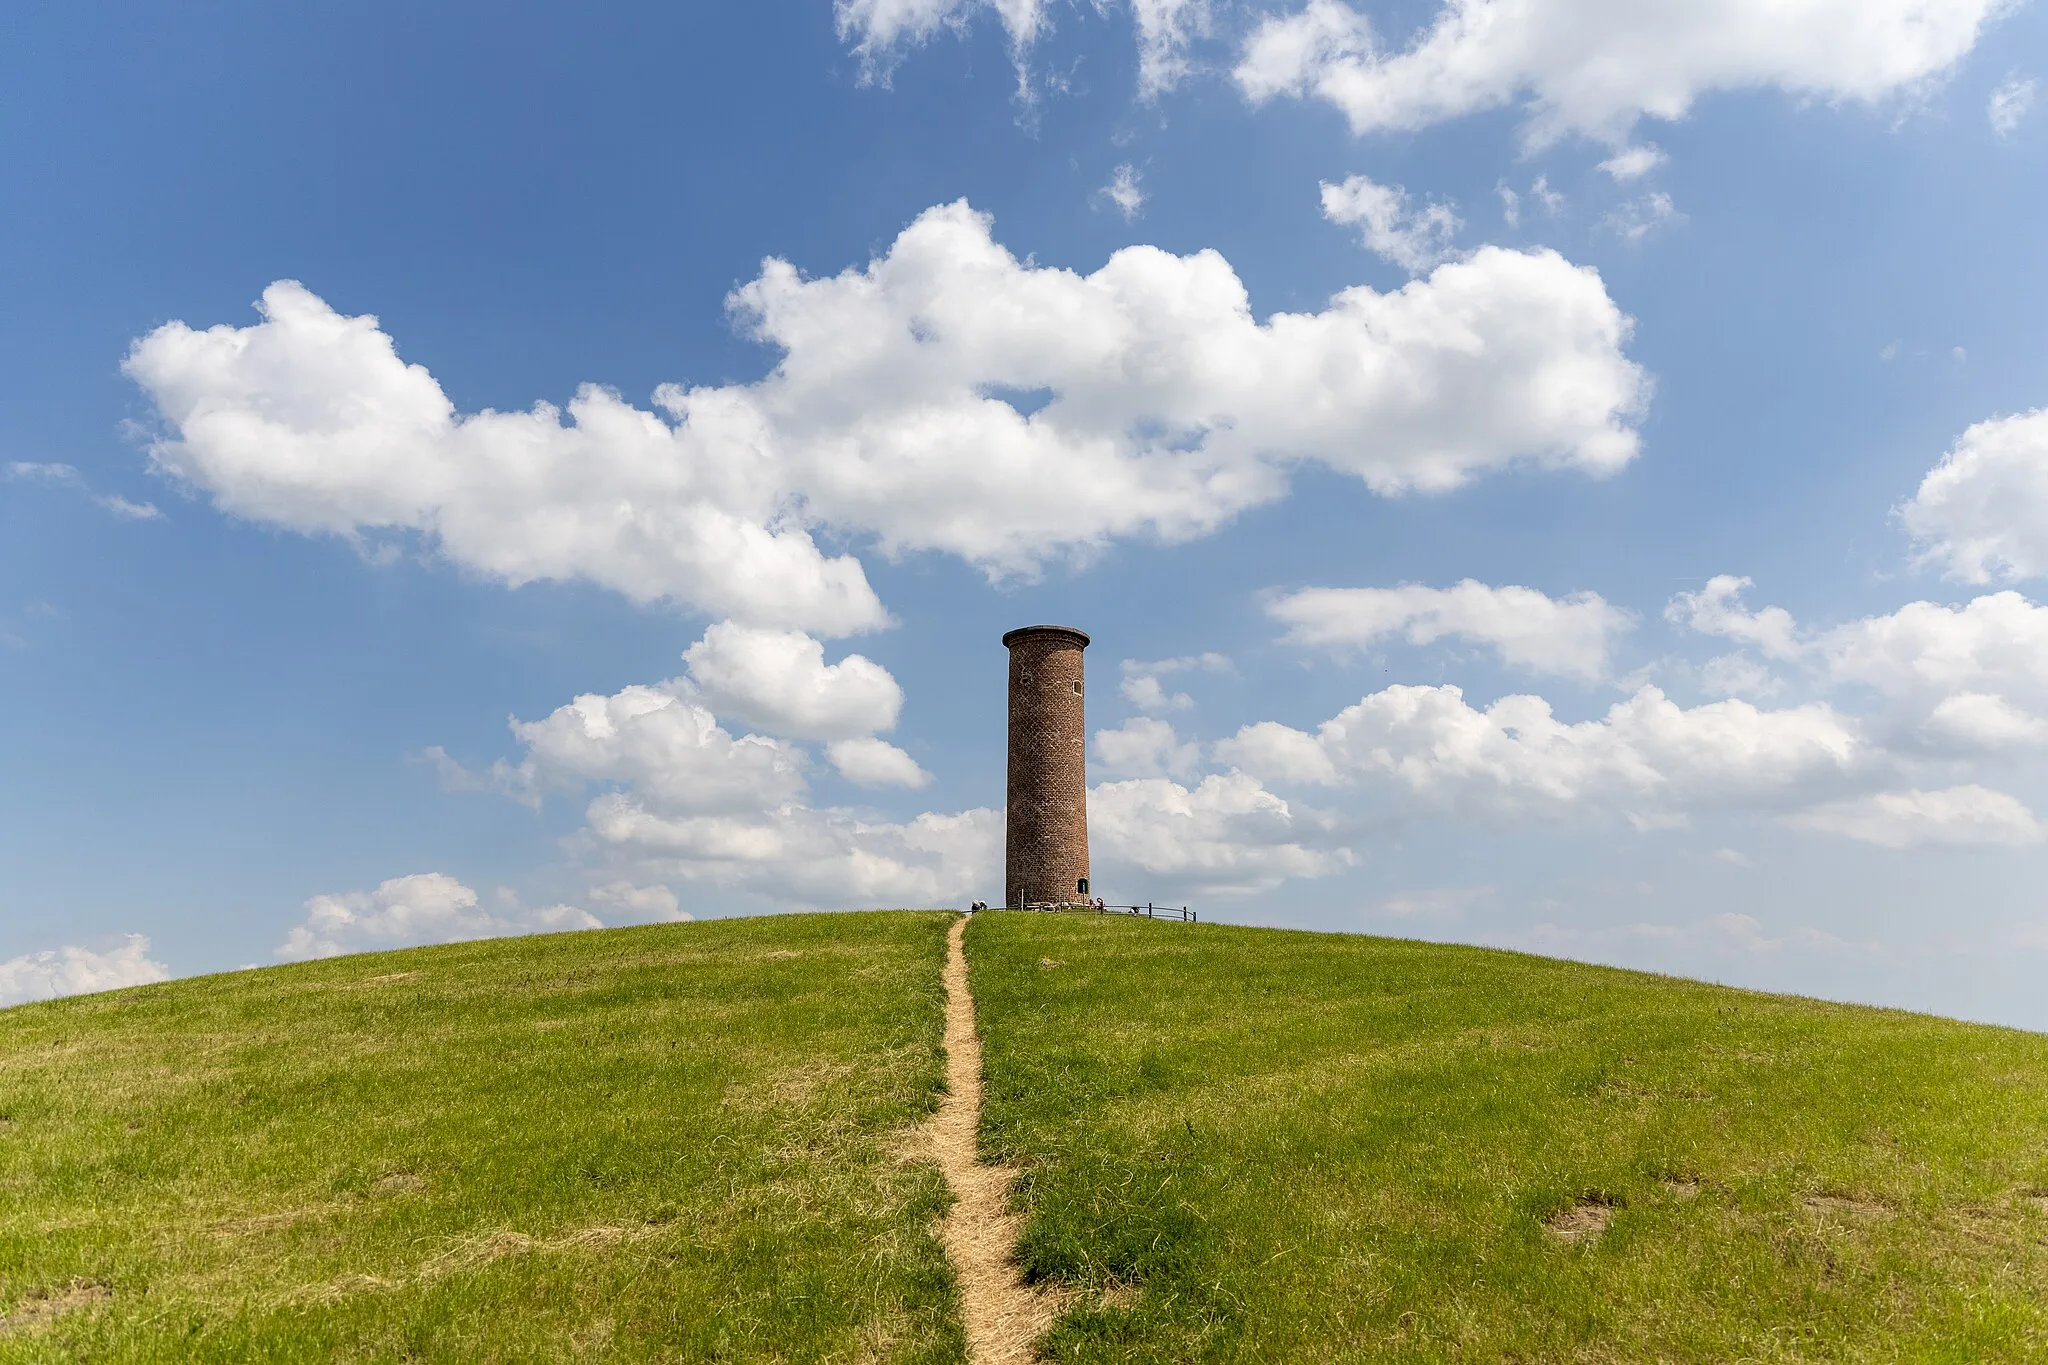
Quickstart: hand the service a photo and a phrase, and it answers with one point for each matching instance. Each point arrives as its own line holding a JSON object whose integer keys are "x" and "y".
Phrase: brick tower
{"x": 1045, "y": 857}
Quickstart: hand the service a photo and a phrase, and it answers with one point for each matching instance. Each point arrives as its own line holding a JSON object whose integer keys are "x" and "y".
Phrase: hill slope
{"x": 1279, "y": 1146}
{"x": 661, "y": 1143}
{"x": 689, "y": 1142}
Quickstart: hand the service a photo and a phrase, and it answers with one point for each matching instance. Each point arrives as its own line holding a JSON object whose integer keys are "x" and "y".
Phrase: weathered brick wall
{"x": 1046, "y": 853}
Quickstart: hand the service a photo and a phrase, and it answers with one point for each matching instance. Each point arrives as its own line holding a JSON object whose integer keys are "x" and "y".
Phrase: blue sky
{"x": 1594, "y": 313}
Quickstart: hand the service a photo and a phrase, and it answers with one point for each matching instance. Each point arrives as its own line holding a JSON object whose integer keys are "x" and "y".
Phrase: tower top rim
{"x": 1011, "y": 637}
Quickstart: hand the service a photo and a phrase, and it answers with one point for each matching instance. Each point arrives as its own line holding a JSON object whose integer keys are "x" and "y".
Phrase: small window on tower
{"x": 1077, "y": 689}
{"x": 1082, "y": 885}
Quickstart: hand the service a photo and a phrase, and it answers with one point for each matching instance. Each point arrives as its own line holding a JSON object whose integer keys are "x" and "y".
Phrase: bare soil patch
{"x": 45, "y": 1305}
{"x": 1004, "y": 1317}
{"x": 1582, "y": 1222}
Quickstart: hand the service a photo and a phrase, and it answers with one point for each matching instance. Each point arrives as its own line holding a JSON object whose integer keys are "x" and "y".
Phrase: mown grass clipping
{"x": 675, "y": 1142}
{"x": 1246, "y": 1144}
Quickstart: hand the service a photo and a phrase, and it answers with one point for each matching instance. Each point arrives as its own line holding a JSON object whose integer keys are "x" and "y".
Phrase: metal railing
{"x": 1146, "y": 911}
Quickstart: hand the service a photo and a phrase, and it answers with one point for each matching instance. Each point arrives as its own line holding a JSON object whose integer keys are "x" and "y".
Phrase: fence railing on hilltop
{"x": 1146, "y": 911}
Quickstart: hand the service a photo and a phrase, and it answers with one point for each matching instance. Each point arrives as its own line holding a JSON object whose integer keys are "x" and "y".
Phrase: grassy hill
{"x": 689, "y": 1142}
{"x": 647, "y": 1144}
{"x": 1280, "y": 1146}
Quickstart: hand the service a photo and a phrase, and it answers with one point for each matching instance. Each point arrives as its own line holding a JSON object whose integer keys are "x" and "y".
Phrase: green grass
{"x": 665, "y": 1143}
{"x": 1255, "y": 1145}
{"x": 689, "y": 1143}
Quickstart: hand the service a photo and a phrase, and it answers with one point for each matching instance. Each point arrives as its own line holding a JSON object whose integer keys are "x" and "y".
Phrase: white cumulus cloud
{"x": 1571, "y": 636}
{"x": 71, "y": 970}
{"x": 1160, "y": 408}
{"x": 1224, "y": 834}
{"x": 799, "y": 855}
{"x": 1412, "y": 238}
{"x": 1982, "y": 722}
{"x": 1995, "y": 643}
{"x": 871, "y": 762}
{"x": 427, "y": 907}
{"x": 1595, "y": 67}
{"x": 779, "y": 680}
{"x": 1969, "y": 678}
{"x": 1958, "y": 817}
{"x": 1718, "y": 609}
{"x": 1647, "y": 759}
{"x": 1981, "y": 514}
{"x": 1633, "y": 163}
{"x": 682, "y": 801}
{"x": 659, "y": 743}
{"x": 309, "y": 420}
{"x": 1145, "y": 746}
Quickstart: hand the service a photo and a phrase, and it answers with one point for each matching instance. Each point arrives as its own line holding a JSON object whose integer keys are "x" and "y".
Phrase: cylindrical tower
{"x": 1045, "y": 857}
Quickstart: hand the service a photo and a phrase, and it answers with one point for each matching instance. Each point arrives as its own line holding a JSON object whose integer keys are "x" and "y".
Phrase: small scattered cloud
{"x": 871, "y": 762}
{"x": 1124, "y": 191}
{"x": 1145, "y": 746}
{"x": 67, "y": 477}
{"x": 1718, "y": 609}
{"x": 1412, "y": 238}
{"x": 427, "y": 907}
{"x": 2010, "y": 104}
{"x": 1638, "y": 218}
{"x": 1539, "y": 193}
{"x": 1633, "y": 163}
{"x": 15, "y": 628}
{"x": 1143, "y": 689}
{"x": 71, "y": 970}
{"x": 1166, "y": 29}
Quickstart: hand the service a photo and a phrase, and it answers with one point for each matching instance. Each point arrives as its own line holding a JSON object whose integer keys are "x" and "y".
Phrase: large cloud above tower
{"x": 947, "y": 396}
